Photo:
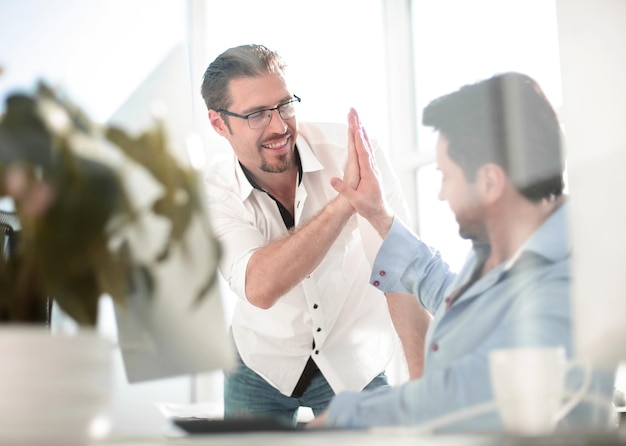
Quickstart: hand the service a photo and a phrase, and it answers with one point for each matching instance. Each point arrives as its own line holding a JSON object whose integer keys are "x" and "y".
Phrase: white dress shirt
{"x": 335, "y": 306}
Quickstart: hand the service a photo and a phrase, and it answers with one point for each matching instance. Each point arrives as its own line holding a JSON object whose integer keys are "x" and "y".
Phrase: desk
{"x": 309, "y": 438}
{"x": 374, "y": 437}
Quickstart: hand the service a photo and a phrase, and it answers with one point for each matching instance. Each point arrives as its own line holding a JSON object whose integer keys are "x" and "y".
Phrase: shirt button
{"x": 376, "y": 283}
{"x": 315, "y": 306}
{"x": 434, "y": 346}
{"x": 382, "y": 272}
{"x": 318, "y": 329}
{"x": 317, "y": 352}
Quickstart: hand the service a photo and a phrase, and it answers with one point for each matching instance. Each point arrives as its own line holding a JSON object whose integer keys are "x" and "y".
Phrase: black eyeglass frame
{"x": 295, "y": 99}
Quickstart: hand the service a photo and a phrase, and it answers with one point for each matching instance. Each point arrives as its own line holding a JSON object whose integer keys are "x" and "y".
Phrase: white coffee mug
{"x": 529, "y": 387}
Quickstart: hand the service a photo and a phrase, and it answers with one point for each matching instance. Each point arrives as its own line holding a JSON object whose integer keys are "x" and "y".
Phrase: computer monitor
{"x": 165, "y": 331}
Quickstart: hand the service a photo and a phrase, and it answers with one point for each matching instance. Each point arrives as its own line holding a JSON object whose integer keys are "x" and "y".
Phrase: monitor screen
{"x": 174, "y": 324}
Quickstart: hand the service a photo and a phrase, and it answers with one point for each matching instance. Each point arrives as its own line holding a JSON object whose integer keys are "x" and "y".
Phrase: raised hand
{"x": 364, "y": 190}
{"x": 351, "y": 173}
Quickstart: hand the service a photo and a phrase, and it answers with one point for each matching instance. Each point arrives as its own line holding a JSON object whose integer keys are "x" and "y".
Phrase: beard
{"x": 279, "y": 165}
{"x": 474, "y": 232}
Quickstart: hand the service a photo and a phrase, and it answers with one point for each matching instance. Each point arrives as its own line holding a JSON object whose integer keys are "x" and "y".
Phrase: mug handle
{"x": 580, "y": 393}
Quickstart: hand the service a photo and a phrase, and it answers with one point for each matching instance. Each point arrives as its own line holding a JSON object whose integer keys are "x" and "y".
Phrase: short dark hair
{"x": 234, "y": 63}
{"x": 506, "y": 120}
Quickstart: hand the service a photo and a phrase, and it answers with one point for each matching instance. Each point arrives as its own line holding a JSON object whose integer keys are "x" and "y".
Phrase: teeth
{"x": 276, "y": 144}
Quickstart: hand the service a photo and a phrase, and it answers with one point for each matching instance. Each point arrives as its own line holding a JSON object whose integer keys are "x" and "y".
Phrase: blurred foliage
{"x": 63, "y": 252}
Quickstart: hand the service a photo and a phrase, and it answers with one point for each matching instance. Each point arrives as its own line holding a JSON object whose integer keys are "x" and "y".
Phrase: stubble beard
{"x": 279, "y": 165}
{"x": 282, "y": 164}
{"x": 473, "y": 233}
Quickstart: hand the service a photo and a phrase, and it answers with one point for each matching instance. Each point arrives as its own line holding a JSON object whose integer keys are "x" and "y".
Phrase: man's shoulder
{"x": 220, "y": 163}
{"x": 220, "y": 173}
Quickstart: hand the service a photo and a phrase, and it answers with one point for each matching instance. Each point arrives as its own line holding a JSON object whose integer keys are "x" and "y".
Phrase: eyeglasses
{"x": 262, "y": 118}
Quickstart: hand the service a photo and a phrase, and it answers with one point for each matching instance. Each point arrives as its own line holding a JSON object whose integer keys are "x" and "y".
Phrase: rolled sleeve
{"x": 392, "y": 258}
{"x": 405, "y": 264}
{"x": 235, "y": 228}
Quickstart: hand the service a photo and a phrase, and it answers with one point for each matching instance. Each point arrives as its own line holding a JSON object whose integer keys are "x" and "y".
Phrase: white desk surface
{"x": 374, "y": 437}
{"x": 378, "y": 437}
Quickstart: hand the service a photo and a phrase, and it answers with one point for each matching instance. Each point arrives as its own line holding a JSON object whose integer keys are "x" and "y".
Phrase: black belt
{"x": 310, "y": 369}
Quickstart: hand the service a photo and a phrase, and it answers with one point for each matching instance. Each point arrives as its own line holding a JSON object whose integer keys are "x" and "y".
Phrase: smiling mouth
{"x": 276, "y": 144}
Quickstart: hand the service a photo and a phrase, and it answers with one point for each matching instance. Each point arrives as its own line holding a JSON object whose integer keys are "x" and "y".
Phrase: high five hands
{"x": 362, "y": 185}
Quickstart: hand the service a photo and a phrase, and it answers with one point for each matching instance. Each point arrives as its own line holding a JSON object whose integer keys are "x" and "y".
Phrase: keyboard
{"x": 194, "y": 425}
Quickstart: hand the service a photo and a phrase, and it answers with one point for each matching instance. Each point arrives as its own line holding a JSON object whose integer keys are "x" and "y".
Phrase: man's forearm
{"x": 411, "y": 322}
{"x": 276, "y": 268}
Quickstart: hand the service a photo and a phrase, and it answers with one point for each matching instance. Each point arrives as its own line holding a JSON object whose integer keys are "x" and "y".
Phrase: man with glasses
{"x": 306, "y": 325}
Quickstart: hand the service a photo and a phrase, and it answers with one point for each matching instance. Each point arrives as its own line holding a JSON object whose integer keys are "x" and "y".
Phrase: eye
{"x": 288, "y": 109}
{"x": 258, "y": 119}
{"x": 257, "y": 115}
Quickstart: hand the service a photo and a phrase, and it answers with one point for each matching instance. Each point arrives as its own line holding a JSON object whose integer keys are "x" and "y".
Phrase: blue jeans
{"x": 246, "y": 393}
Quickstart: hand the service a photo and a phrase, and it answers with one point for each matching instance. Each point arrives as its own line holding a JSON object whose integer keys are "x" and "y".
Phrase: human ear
{"x": 217, "y": 122}
{"x": 492, "y": 179}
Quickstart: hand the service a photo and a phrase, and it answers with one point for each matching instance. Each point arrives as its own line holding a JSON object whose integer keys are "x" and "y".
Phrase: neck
{"x": 280, "y": 185}
{"x": 511, "y": 225}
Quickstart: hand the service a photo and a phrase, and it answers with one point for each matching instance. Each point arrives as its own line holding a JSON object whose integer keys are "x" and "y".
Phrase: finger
{"x": 353, "y": 119}
{"x": 362, "y": 147}
{"x": 358, "y": 120}
{"x": 351, "y": 145}
{"x": 342, "y": 187}
{"x": 368, "y": 144}
{"x": 367, "y": 138}
{"x": 338, "y": 184}
{"x": 352, "y": 166}
{"x": 368, "y": 152}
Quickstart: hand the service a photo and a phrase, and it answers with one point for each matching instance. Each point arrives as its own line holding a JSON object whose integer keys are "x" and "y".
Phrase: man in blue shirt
{"x": 499, "y": 154}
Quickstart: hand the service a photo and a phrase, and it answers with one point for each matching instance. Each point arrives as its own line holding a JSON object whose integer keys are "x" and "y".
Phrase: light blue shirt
{"x": 524, "y": 302}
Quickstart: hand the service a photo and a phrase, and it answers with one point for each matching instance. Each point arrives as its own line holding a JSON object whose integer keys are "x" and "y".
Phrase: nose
{"x": 277, "y": 124}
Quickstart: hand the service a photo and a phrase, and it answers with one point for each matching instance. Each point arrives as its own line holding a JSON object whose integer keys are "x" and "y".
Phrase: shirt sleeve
{"x": 237, "y": 234}
{"x": 457, "y": 390}
{"x": 536, "y": 314}
{"x": 406, "y": 264}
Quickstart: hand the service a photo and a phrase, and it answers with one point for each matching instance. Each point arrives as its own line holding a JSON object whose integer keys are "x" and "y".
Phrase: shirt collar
{"x": 308, "y": 162}
{"x": 550, "y": 241}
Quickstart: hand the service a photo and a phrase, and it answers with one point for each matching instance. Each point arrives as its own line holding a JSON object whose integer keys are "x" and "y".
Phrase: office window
{"x": 334, "y": 51}
{"x": 458, "y": 42}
